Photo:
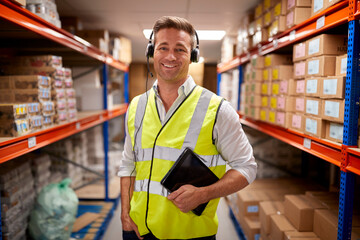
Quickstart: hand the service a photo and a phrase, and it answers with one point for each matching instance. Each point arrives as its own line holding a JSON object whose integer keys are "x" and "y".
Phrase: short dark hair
{"x": 177, "y": 23}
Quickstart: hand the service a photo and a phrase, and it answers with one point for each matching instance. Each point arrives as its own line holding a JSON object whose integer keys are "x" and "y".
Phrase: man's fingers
{"x": 137, "y": 231}
{"x": 175, "y": 194}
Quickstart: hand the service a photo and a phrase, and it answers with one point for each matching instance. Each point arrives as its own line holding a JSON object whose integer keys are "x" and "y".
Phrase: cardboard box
{"x": 313, "y": 87}
{"x": 300, "y": 104}
{"x": 24, "y": 95}
{"x": 24, "y": 82}
{"x": 299, "y": 52}
{"x": 282, "y": 72}
{"x": 299, "y": 210}
{"x": 277, "y": 26}
{"x": 258, "y": 10}
{"x": 297, "y": 15}
{"x": 285, "y": 103}
{"x": 326, "y": 44}
{"x": 38, "y": 61}
{"x": 266, "y": 88}
{"x": 15, "y": 128}
{"x": 264, "y": 114}
{"x": 334, "y": 131}
{"x": 275, "y": 87}
{"x": 281, "y": 119}
{"x": 333, "y": 110}
{"x": 251, "y": 227}
{"x": 268, "y": 208}
{"x": 333, "y": 87}
{"x": 255, "y": 113}
{"x": 341, "y": 65}
{"x": 313, "y": 106}
{"x": 279, "y": 225}
{"x": 299, "y": 70}
{"x": 267, "y": 19}
{"x": 325, "y": 224}
{"x": 280, "y": 8}
{"x": 321, "y": 66}
{"x": 297, "y": 87}
{"x": 55, "y": 73}
{"x": 273, "y": 102}
{"x": 98, "y": 33}
{"x": 255, "y": 100}
{"x": 255, "y": 88}
{"x": 268, "y": 4}
{"x": 267, "y": 74}
{"x": 10, "y": 112}
{"x": 298, "y": 3}
{"x": 295, "y": 121}
{"x": 272, "y": 116}
{"x": 314, "y": 126}
{"x": 300, "y": 235}
{"x": 257, "y": 62}
{"x": 248, "y": 202}
{"x": 284, "y": 86}
{"x": 329, "y": 3}
{"x": 259, "y": 23}
{"x": 257, "y": 75}
{"x": 272, "y": 60}
{"x": 317, "y": 6}
{"x": 265, "y": 101}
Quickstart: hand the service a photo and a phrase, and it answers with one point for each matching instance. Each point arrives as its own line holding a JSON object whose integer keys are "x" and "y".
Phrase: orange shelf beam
{"x": 19, "y": 146}
{"x": 334, "y": 16}
{"x": 326, "y": 150}
{"x": 354, "y": 160}
{"x": 24, "y": 18}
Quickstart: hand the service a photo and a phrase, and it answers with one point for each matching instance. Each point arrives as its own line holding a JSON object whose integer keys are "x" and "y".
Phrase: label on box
{"x": 336, "y": 131}
{"x": 320, "y": 22}
{"x": 314, "y": 46}
{"x": 313, "y": 67}
{"x": 330, "y": 86}
{"x": 264, "y": 88}
{"x": 31, "y": 142}
{"x": 343, "y": 68}
{"x": 283, "y": 86}
{"x": 292, "y": 35}
{"x": 266, "y": 74}
{"x": 277, "y": 9}
{"x": 264, "y": 101}
{"x": 275, "y": 73}
{"x": 266, "y": 4}
{"x": 263, "y": 115}
{"x": 307, "y": 143}
{"x": 275, "y": 88}
{"x": 253, "y": 209}
{"x": 267, "y": 61}
{"x": 272, "y": 117}
{"x": 300, "y": 104}
{"x": 312, "y": 107}
{"x": 267, "y": 18}
{"x": 290, "y": 4}
{"x": 311, "y": 125}
{"x": 332, "y": 109}
{"x": 311, "y": 86}
{"x": 300, "y": 86}
{"x": 290, "y": 18}
{"x": 300, "y": 51}
{"x": 296, "y": 121}
{"x": 318, "y": 5}
{"x": 300, "y": 68}
{"x": 273, "y": 102}
{"x": 280, "y": 118}
{"x": 281, "y": 103}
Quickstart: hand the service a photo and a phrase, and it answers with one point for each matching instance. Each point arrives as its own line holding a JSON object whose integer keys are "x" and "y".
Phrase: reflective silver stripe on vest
{"x": 197, "y": 119}
{"x": 172, "y": 154}
{"x": 140, "y": 111}
{"x": 155, "y": 187}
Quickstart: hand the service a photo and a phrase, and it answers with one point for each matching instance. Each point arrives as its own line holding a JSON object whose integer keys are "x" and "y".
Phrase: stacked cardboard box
{"x": 297, "y": 11}
{"x": 229, "y": 86}
{"x": 120, "y": 48}
{"x": 45, "y": 9}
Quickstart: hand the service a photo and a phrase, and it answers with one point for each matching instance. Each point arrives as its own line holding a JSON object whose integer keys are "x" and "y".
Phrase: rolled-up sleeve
{"x": 232, "y": 143}
{"x": 127, "y": 166}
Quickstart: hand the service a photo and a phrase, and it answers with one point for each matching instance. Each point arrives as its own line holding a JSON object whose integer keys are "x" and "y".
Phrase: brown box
{"x": 299, "y": 70}
{"x": 255, "y": 100}
{"x": 279, "y": 225}
{"x": 268, "y": 4}
{"x": 56, "y": 73}
{"x": 267, "y": 74}
{"x": 313, "y": 106}
{"x": 255, "y": 88}
{"x": 272, "y": 116}
{"x": 300, "y": 235}
{"x": 299, "y": 210}
{"x": 272, "y": 60}
{"x": 24, "y": 82}
{"x": 329, "y": 3}
{"x": 334, "y": 131}
{"x": 258, "y": 10}
{"x": 300, "y": 104}
{"x": 277, "y": 26}
{"x": 257, "y": 62}
{"x": 259, "y": 23}
{"x": 299, "y": 52}
{"x": 284, "y": 86}
{"x": 320, "y": 66}
{"x": 317, "y": 6}
{"x": 281, "y": 119}
{"x": 280, "y": 8}
{"x": 267, "y": 18}
{"x": 248, "y": 202}
{"x": 268, "y": 208}
{"x": 333, "y": 110}
{"x": 314, "y": 126}
{"x": 325, "y": 224}
{"x": 38, "y": 61}
{"x": 24, "y": 95}
{"x": 255, "y": 113}
{"x": 266, "y": 88}
{"x": 15, "y": 128}
{"x": 298, "y": 3}
{"x": 265, "y": 101}
{"x": 264, "y": 114}
{"x": 313, "y": 87}
{"x": 295, "y": 121}
{"x": 282, "y": 72}
{"x": 333, "y": 87}
{"x": 285, "y": 103}
{"x": 326, "y": 44}
{"x": 10, "y": 112}
{"x": 297, "y": 87}
{"x": 341, "y": 65}
{"x": 273, "y": 102}
{"x": 251, "y": 227}
{"x": 297, "y": 15}
{"x": 275, "y": 87}
{"x": 257, "y": 75}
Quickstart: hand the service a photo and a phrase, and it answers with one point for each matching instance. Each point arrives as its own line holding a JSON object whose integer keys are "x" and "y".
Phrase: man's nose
{"x": 171, "y": 55}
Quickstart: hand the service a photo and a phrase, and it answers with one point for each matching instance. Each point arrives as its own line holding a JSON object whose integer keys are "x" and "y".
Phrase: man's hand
{"x": 187, "y": 197}
{"x": 129, "y": 225}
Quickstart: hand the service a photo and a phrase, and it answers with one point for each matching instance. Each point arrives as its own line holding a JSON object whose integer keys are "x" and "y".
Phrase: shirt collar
{"x": 185, "y": 88}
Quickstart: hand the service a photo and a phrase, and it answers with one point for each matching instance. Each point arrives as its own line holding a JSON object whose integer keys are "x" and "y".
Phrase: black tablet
{"x": 189, "y": 169}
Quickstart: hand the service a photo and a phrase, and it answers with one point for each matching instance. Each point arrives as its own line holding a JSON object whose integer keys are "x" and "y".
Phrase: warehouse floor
{"x": 226, "y": 229}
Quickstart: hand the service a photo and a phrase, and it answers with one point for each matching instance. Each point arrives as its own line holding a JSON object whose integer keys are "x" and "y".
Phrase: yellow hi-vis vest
{"x": 157, "y": 147}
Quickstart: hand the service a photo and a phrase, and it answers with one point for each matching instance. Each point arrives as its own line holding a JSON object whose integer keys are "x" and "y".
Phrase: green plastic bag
{"x": 54, "y": 213}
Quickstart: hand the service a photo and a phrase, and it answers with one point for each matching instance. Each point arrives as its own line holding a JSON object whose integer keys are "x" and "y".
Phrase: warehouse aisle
{"x": 226, "y": 228}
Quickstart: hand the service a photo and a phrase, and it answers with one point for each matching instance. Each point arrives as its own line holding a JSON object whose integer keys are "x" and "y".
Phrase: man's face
{"x": 172, "y": 55}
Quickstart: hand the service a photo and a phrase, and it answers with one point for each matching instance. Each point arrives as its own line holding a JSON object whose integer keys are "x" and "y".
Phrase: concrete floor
{"x": 226, "y": 229}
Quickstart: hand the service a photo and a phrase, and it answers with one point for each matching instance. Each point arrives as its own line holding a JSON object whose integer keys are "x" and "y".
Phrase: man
{"x": 175, "y": 114}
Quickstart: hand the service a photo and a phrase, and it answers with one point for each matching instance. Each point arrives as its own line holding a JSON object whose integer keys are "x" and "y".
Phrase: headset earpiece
{"x": 195, "y": 55}
{"x": 149, "y": 53}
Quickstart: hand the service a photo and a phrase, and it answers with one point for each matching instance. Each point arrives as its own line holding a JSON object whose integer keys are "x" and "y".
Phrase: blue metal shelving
{"x": 105, "y": 74}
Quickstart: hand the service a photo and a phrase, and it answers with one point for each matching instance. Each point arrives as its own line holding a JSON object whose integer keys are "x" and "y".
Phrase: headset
{"x": 195, "y": 53}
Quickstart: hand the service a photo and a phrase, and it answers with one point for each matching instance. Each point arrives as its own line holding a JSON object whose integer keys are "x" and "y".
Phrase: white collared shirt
{"x": 230, "y": 139}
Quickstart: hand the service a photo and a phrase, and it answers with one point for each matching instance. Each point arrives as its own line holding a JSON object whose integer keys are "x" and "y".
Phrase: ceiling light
{"x": 203, "y": 34}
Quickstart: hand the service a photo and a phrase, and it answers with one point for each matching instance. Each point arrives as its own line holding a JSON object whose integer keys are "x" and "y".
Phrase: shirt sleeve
{"x": 127, "y": 166}
{"x": 232, "y": 143}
